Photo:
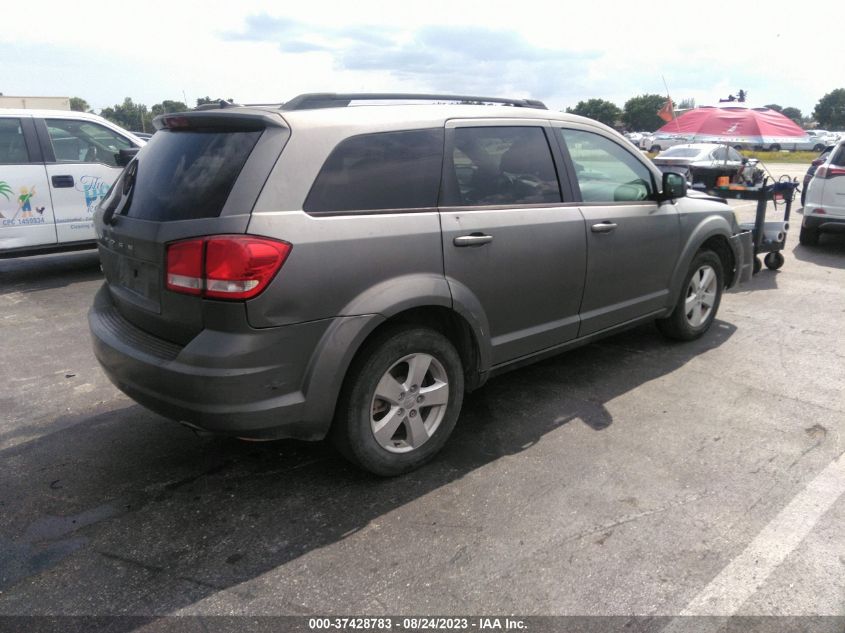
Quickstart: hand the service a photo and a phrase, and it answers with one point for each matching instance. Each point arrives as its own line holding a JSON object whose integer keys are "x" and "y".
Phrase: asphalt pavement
{"x": 630, "y": 477}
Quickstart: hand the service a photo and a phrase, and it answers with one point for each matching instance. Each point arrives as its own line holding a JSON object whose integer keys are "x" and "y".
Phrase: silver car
{"x": 701, "y": 161}
{"x": 318, "y": 269}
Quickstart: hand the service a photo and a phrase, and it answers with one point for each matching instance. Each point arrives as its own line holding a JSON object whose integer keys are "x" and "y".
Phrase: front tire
{"x": 400, "y": 401}
{"x": 699, "y": 300}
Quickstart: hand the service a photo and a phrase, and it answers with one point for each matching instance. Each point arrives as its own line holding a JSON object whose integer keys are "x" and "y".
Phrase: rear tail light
{"x": 826, "y": 171}
{"x": 224, "y": 266}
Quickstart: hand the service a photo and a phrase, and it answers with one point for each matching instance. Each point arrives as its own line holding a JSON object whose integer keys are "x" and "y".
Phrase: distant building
{"x": 35, "y": 103}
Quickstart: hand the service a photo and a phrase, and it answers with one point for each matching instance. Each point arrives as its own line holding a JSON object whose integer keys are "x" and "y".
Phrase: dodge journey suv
{"x": 330, "y": 269}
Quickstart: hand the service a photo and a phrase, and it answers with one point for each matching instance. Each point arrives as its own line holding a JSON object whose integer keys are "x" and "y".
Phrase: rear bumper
{"x": 262, "y": 383}
{"x": 742, "y": 245}
{"x": 824, "y": 223}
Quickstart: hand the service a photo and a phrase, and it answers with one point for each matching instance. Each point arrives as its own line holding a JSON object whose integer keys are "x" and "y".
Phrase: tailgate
{"x": 201, "y": 177}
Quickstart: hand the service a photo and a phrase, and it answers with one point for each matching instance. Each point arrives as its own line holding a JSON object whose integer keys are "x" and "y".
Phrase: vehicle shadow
{"x": 44, "y": 272}
{"x": 127, "y": 513}
{"x": 829, "y": 252}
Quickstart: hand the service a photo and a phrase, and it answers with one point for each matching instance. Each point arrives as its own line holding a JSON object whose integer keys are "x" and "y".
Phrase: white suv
{"x": 55, "y": 166}
{"x": 824, "y": 206}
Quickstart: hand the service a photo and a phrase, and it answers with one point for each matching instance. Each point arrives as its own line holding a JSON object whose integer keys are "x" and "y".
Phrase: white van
{"x": 55, "y": 166}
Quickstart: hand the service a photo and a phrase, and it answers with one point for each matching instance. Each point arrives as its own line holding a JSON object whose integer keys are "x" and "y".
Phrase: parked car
{"x": 317, "y": 270}
{"x": 812, "y": 170}
{"x": 701, "y": 162}
{"x": 821, "y": 139}
{"x": 660, "y": 142}
{"x": 55, "y": 165}
{"x": 824, "y": 207}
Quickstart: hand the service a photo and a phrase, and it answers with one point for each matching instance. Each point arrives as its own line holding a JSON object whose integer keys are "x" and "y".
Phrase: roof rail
{"x": 316, "y": 100}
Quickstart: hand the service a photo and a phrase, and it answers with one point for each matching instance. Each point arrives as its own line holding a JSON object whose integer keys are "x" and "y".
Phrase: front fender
{"x": 705, "y": 229}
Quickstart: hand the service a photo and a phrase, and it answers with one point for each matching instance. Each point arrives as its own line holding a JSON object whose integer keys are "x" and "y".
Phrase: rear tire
{"x": 400, "y": 401}
{"x": 774, "y": 148}
{"x": 699, "y": 300}
{"x": 808, "y": 237}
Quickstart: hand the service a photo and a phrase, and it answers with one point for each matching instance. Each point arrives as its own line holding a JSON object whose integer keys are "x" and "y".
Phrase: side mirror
{"x": 125, "y": 156}
{"x": 674, "y": 186}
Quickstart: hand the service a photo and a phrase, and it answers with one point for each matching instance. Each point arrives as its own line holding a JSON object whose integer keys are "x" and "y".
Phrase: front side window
{"x": 606, "y": 172}
{"x": 12, "y": 146}
{"x": 84, "y": 142}
{"x": 385, "y": 170}
{"x": 501, "y": 166}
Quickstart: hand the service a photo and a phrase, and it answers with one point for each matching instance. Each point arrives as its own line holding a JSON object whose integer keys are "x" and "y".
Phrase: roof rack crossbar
{"x": 316, "y": 100}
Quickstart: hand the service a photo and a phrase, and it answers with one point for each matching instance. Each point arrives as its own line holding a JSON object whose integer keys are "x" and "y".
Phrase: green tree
{"x": 205, "y": 100}
{"x": 130, "y": 115}
{"x": 168, "y": 107}
{"x": 830, "y": 110}
{"x": 78, "y": 104}
{"x": 794, "y": 114}
{"x": 640, "y": 113}
{"x": 774, "y": 106}
{"x": 598, "y": 109}
{"x": 686, "y": 104}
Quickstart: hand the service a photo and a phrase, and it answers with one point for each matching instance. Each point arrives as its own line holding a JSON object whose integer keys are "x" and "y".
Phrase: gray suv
{"x": 326, "y": 269}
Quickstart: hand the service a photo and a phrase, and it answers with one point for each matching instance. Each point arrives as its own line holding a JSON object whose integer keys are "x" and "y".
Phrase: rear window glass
{"x": 386, "y": 170}
{"x": 839, "y": 156}
{"x": 186, "y": 175}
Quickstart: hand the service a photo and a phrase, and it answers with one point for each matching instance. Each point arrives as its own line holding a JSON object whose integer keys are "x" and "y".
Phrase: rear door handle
{"x": 603, "y": 227}
{"x": 476, "y": 239}
{"x": 62, "y": 182}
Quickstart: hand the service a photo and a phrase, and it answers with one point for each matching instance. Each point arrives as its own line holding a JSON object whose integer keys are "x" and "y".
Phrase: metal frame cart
{"x": 779, "y": 191}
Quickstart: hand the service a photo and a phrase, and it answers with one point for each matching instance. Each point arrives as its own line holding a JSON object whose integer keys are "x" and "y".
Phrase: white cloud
{"x": 561, "y": 52}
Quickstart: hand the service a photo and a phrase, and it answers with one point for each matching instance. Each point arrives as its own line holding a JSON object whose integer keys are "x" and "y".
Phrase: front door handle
{"x": 603, "y": 227}
{"x": 476, "y": 239}
{"x": 62, "y": 182}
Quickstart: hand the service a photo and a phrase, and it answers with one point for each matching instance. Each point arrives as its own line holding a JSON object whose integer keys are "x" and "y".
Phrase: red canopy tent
{"x": 734, "y": 124}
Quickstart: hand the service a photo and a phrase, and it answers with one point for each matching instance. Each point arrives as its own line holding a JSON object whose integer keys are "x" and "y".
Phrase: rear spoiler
{"x": 225, "y": 119}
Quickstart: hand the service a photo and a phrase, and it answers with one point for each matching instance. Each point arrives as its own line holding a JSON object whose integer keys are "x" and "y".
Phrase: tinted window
{"x": 12, "y": 146}
{"x": 501, "y": 165}
{"x": 606, "y": 172}
{"x": 186, "y": 175}
{"x": 839, "y": 157}
{"x": 85, "y": 142}
{"x": 387, "y": 170}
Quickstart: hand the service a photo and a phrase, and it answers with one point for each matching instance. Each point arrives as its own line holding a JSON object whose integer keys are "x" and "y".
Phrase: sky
{"x": 258, "y": 51}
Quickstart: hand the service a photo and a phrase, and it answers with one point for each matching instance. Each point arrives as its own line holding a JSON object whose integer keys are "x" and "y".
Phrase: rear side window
{"x": 12, "y": 146}
{"x": 501, "y": 166}
{"x": 839, "y": 156}
{"x": 386, "y": 170}
{"x": 186, "y": 175}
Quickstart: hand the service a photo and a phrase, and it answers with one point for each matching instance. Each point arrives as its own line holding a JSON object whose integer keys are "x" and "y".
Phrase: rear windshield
{"x": 185, "y": 175}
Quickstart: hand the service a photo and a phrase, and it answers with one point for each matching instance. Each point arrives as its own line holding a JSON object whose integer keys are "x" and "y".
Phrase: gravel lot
{"x": 629, "y": 477}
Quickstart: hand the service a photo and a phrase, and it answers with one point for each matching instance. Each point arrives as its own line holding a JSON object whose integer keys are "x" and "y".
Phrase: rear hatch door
{"x": 200, "y": 174}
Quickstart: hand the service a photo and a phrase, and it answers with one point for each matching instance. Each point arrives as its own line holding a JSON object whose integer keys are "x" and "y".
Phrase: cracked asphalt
{"x": 621, "y": 478}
